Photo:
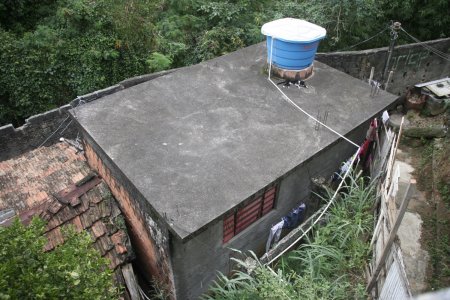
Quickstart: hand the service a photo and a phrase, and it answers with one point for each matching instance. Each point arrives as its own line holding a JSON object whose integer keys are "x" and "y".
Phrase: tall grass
{"x": 328, "y": 265}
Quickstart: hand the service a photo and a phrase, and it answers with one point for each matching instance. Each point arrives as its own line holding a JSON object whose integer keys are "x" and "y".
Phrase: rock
{"x": 399, "y": 109}
{"x": 435, "y": 106}
{"x": 429, "y": 132}
{"x": 395, "y": 120}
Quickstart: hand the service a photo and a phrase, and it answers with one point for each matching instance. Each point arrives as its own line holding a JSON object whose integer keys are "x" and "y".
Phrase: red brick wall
{"x": 153, "y": 257}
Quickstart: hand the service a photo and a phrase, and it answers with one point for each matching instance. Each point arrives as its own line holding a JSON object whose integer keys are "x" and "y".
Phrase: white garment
{"x": 274, "y": 234}
{"x": 385, "y": 117}
{"x": 394, "y": 186}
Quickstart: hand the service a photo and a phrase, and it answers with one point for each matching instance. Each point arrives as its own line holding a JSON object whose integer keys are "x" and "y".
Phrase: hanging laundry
{"x": 394, "y": 184}
{"x": 372, "y": 131}
{"x": 295, "y": 217}
{"x": 342, "y": 170}
{"x": 364, "y": 151}
{"x": 385, "y": 117}
{"x": 274, "y": 234}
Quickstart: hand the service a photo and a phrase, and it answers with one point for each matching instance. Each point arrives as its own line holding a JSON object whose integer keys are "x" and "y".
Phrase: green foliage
{"x": 424, "y": 19}
{"x": 54, "y": 50}
{"x": 73, "y": 270}
{"x": 328, "y": 266}
{"x": 347, "y": 22}
{"x": 262, "y": 283}
{"x": 158, "y": 62}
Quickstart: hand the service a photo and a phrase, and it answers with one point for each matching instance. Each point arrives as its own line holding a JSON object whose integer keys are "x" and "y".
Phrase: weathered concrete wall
{"x": 411, "y": 64}
{"x": 55, "y": 123}
{"x": 197, "y": 261}
{"x": 16, "y": 141}
{"x": 149, "y": 236}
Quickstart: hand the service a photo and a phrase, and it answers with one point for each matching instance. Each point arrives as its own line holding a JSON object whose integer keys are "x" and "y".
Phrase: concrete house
{"x": 208, "y": 157}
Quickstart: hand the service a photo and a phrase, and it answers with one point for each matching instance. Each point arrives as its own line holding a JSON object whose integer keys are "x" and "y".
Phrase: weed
{"x": 427, "y": 154}
{"x": 160, "y": 291}
{"x": 444, "y": 191}
{"x": 329, "y": 265}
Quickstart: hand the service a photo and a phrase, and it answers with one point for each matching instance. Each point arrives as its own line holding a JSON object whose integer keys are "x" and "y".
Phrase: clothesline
{"x": 371, "y": 136}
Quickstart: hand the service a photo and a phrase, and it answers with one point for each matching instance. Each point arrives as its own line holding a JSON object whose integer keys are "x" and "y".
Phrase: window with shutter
{"x": 243, "y": 217}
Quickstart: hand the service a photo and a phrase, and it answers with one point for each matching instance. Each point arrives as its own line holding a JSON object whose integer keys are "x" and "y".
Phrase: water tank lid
{"x": 293, "y": 30}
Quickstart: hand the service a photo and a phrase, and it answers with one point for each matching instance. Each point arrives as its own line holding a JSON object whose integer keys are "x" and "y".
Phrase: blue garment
{"x": 295, "y": 217}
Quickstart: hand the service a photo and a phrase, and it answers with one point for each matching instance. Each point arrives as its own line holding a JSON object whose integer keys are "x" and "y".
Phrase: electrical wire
{"x": 298, "y": 107}
{"x": 80, "y": 102}
{"x": 437, "y": 52}
{"x": 333, "y": 198}
{"x": 53, "y": 133}
{"x": 423, "y": 43}
{"x": 324, "y": 210}
{"x": 366, "y": 40}
{"x": 65, "y": 127}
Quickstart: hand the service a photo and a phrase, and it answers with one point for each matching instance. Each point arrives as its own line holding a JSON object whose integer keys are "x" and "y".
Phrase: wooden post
{"x": 392, "y": 235}
{"x": 372, "y": 71}
{"x": 131, "y": 282}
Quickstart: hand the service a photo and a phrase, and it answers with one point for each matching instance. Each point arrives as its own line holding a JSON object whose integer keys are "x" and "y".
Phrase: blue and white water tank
{"x": 294, "y": 42}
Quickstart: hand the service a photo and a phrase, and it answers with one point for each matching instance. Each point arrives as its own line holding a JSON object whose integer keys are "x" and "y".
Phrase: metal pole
{"x": 391, "y": 73}
{"x": 394, "y": 35}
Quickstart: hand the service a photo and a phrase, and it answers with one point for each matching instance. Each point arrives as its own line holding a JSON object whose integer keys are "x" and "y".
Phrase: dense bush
{"x": 329, "y": 265}
{"x": 74, "y": 270}
{"x": 53, "y": 50}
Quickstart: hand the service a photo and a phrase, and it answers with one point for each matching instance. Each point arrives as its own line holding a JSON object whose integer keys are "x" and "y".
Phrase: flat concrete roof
{"x": 199, "y": 141}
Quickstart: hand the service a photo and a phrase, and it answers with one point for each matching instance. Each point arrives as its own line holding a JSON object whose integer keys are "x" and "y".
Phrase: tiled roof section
{"x": 28, "y": 180}
{"x": 56, "y": 184}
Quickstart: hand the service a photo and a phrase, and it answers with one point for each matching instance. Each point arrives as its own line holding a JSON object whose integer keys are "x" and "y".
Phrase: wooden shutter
{"x": 248, "y": 214}
{"x": 228, "y": 228}
{"x": 269, "y": 200}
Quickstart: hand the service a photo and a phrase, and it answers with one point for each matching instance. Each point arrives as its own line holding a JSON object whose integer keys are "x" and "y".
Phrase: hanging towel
{"x": 385, "y": 117}
{"x": 274, "y": 234}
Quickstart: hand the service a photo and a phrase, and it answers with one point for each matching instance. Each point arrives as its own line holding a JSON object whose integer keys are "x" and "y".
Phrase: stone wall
{"x": 411, "y": 64}
{"x": 48, "y": 127}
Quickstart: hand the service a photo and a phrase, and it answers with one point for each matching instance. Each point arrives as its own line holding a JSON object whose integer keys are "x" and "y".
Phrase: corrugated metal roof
{"x": 440, "y": 89}
{"x": 394, "y": 287}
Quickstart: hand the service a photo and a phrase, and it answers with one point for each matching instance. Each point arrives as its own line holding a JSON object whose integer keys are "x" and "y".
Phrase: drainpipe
{"x": 395, "y": 27}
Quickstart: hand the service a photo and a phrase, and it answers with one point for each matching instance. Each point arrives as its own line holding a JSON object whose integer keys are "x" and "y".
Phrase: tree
{"x": 54, "y": 50}
{"x": 73, "y": 270}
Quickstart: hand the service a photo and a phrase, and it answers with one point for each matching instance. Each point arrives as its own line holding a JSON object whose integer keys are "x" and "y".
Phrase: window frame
{"x": 252, "y": 210}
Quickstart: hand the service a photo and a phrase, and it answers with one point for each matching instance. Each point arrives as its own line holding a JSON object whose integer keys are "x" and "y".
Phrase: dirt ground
{"x": 431, "y": 161}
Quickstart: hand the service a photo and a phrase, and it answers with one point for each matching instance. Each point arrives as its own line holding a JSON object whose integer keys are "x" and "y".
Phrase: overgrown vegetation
{"x": 329, "y": 265}
{"x": 54, "y": 50}
{"x": 74, "y": 270}
{"x": 434, "y": 179}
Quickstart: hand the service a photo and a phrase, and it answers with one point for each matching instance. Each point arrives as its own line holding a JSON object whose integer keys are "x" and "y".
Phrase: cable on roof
{"x": 437, "y": 52}
{"x": 298, "y": 107}
{"x": 355, "y": 156}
